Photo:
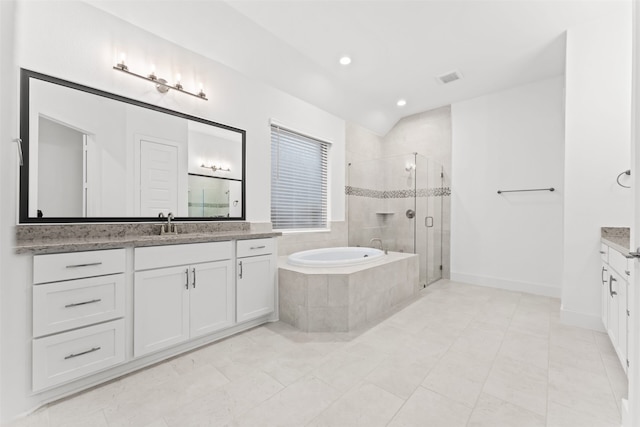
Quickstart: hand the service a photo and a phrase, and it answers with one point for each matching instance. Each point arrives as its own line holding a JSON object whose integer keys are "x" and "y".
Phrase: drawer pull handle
{"x": 91, "y": 264}
{"x": 257, "y": 247}
{"x": 603, "y": 252}
{"x": 71, "y": 356}
{"x": 75, "y": 304}
{"x": 611, "y": 291}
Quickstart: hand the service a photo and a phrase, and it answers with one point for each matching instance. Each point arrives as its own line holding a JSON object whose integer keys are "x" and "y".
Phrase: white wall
{"x": 597, "y": 149}
{"x": 509, "y": 140}
{"x": 77, "y": 42}
{"x": 8, "y": 170}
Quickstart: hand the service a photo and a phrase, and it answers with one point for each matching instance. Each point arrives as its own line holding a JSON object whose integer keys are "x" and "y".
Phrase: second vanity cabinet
{"x": 192, "y": 297}
{"x": 616, "y": 275}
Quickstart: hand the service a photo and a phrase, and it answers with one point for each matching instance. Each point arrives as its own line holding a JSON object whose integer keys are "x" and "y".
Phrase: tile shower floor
{"x": 458, "y": 355}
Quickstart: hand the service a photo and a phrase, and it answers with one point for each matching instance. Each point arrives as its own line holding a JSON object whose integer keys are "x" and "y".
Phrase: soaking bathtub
{"x": 335, "y": 257}
{"x": 341, "y": 289}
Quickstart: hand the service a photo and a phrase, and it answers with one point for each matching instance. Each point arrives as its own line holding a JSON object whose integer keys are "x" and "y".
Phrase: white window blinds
{"x": 298, "y": 181}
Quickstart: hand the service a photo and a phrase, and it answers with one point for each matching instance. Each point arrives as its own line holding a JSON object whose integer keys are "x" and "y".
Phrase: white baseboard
{"x": 509, "y": 285}
{"x": 582, "y": 320}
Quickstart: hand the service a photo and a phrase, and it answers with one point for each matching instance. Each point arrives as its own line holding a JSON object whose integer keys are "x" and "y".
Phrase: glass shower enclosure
{"x": 398, "y": 199}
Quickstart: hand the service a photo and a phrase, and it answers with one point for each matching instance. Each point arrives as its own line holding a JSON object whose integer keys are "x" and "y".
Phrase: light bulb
{"x": 345, "y": 60}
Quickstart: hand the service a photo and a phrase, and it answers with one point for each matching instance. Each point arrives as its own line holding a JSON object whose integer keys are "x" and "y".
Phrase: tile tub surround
{"x": 617, "y": 237}
{"x": 342, "y": 299}
{"x": 42, "y": 239}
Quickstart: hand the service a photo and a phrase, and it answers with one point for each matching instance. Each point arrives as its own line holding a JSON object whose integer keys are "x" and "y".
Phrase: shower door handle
{"x": 426, "y": 221}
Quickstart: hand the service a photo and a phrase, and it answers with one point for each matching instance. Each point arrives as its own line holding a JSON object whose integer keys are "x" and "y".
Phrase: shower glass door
{"x": 398, "y": 199}
{"x": 433, "y": 221}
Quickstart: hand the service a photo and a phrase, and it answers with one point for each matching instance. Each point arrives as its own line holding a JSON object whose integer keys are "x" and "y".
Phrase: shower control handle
{"x": 410, "y": 213}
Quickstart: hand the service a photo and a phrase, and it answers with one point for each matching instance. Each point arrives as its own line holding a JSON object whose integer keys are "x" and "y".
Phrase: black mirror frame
{"x": 25, "y": 77}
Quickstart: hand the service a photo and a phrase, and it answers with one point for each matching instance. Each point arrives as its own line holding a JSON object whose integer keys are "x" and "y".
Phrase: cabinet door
{"x": 613, "y": 311}
{"x": 604, "y": 295}
{"x": 255, "y": 287}
{"x": 622, "y": 322}
{"x": 161, "y": 309}
{"x": 211, "y": 297}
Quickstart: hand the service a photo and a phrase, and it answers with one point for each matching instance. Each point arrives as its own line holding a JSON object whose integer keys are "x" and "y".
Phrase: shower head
{"x": 410, "y": 167}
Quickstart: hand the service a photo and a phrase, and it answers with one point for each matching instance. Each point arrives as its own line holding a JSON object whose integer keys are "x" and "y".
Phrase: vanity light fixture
{"x": 161, "y": 84}
{"x": 215, "y": 168}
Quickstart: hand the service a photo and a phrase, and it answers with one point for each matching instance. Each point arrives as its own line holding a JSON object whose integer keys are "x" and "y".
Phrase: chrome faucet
{"x": 168, "y": 228}
{"x": 376, "y": 239}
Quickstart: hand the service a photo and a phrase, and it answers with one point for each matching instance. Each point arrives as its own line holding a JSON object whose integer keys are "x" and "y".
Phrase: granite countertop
{"x": 86, "y": 237}
{"x": 617, "y": 238}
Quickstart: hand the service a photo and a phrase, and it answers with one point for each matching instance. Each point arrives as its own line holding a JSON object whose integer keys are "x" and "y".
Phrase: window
{"x": 298, "y": 181}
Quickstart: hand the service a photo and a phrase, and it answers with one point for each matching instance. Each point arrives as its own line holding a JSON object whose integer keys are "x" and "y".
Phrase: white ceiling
{"x": 397, "y": 47}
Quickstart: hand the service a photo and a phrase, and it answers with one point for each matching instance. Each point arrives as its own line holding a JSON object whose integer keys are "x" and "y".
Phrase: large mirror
{"x": 92, "y": 156}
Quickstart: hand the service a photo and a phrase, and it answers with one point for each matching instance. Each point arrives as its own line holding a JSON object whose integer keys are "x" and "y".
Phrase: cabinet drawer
{"x": 618, "y": 262}
{"x": 172, "y": 255}
{"x": 604, "y": 252}
{"x": 75, "y": 265}
{"x": 255, "y": 247}
{"x": 72, "y": 304}
{"x": 64, "y": 357}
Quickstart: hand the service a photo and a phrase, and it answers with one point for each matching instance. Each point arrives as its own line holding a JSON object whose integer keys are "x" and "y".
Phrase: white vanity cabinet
{"x": 192, "y": 297}
{"x": 255, "y": 278}
{"x": 78, "y": 310}
{"x": 616, "y": 272}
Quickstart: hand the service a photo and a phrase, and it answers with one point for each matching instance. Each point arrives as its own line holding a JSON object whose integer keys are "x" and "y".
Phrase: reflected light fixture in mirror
{"x": 215, "y": 168}
{"x": 161, "y": 84}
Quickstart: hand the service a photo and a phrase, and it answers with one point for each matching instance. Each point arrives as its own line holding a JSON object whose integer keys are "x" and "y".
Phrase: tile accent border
{"x": 396, "y": 194}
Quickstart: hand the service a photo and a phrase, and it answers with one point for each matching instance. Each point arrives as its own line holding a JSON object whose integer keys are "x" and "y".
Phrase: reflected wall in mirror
{"x": 92, "y": 156}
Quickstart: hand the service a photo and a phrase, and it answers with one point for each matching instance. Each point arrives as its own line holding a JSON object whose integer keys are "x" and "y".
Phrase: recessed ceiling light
{"x": 401, "y": 102}
{"x": 345, "y": 60}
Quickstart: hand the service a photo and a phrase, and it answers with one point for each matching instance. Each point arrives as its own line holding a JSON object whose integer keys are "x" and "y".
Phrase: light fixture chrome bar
{"x": 158, "y": 81}
{"x": 216, "y": 168}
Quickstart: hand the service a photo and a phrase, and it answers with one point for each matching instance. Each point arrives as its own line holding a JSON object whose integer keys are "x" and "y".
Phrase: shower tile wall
{"x": 428, "y": 134}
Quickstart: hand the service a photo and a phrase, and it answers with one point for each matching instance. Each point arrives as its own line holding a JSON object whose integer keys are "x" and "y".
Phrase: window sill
{"x": 302, "y": 231}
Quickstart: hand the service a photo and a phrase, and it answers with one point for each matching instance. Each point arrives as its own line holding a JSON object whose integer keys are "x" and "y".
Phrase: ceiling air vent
{"x": 449, "y": 77}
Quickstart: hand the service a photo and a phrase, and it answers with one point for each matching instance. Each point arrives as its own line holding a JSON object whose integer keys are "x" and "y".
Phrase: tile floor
{"x": 458, "y": 355}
